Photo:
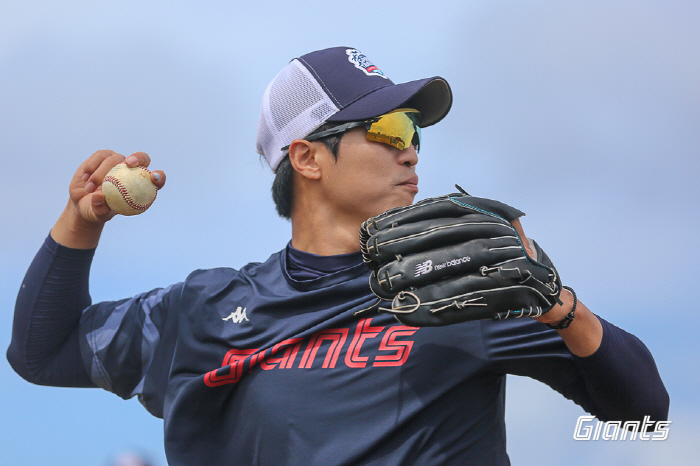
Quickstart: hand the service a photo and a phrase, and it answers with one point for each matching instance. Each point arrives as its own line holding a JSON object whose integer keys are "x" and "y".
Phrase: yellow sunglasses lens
{"x": 398, "y": 128}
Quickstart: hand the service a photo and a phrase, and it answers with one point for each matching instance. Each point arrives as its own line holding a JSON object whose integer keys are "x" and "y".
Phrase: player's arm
{"x": 585, "y": 334}
{"x": 44, "y": 347}
{"x": 621, "y": 381}
{"x": 80, "y": 225}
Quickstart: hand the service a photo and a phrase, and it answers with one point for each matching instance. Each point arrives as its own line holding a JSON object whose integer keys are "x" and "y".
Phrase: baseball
{"x": 129, "y": 191}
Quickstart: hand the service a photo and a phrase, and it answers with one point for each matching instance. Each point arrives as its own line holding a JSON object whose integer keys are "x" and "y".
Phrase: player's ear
{"x": 303, "y": 155}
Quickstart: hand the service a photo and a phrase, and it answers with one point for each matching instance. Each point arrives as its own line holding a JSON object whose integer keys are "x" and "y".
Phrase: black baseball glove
{"x": 456, "y": 258}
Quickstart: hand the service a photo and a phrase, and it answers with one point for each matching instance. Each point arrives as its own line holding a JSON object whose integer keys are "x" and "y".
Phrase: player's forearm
{"x": 622, "y": 380}
{"x": 584, "y": 335}
{"x": 72, "y": 231}
{"x": 44, "y": 347}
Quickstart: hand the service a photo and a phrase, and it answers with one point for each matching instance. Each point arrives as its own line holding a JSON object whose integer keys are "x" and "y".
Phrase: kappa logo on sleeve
{"x": 237, "y": 316}
{"x": 326, "y": 349}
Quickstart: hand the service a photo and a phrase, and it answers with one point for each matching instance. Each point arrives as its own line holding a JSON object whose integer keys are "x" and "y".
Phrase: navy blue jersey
{"x": 255, "y": 367}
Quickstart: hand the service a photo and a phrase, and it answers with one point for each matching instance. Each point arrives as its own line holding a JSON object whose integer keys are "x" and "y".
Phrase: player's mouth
{"x": 411, "y": 183}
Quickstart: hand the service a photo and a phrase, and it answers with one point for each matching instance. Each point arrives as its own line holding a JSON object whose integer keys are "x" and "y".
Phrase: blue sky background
{"x": 586, "y": 115}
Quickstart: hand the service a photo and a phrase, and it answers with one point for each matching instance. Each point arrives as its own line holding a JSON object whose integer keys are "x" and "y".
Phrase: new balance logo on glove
{"x": 424, "y": 267}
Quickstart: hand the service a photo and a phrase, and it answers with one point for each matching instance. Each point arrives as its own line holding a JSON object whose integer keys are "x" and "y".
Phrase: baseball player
{"x": 287, "y": 361}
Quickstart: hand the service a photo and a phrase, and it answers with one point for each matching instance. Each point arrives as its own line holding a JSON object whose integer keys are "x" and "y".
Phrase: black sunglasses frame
{"x": 337, "y": 130}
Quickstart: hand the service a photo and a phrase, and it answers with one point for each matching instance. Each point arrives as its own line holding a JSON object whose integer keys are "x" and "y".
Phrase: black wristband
{"x": 566, "y": 321}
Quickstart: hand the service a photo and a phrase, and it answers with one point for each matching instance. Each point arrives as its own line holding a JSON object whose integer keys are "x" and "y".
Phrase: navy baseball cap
{"x": 338, "y": 84}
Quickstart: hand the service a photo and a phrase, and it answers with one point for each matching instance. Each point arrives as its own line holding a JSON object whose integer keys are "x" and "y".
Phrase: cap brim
{"x": 431, "y": 96}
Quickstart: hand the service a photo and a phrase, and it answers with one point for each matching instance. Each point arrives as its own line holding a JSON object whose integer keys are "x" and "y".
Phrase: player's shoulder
{"x": 211, "y": 275}
{"x": 224, "y": 275}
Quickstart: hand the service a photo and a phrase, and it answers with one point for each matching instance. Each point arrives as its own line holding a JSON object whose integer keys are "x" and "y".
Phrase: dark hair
{"x": 283, "y": 184}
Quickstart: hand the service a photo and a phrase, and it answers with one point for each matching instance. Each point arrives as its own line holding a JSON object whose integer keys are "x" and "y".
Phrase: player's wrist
{"x": 559, "y": 312}
{"x": 568, "y": 318}
{"x": 73, "y": 230}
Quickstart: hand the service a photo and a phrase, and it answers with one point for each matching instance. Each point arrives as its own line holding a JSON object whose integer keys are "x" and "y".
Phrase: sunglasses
{"x": 398, "y": 128}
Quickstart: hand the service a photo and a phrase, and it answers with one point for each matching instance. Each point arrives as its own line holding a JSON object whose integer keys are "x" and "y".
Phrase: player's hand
{"x": 86, "y": 194}
{"x": 523, "y": 239}
{"x": 80, "y": 224}
{"x": 557, "y": 313}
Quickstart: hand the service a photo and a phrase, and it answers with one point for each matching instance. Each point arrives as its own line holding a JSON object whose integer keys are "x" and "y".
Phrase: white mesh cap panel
{"x": 294, "y": 105}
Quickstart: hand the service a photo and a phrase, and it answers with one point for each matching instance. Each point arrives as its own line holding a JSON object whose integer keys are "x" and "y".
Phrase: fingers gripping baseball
{"x": 87, "y": 190}
{"x": 141, "y": 159}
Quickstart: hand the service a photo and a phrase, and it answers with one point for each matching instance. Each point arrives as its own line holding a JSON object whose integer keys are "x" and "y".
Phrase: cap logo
{"x": 361, "y": 62}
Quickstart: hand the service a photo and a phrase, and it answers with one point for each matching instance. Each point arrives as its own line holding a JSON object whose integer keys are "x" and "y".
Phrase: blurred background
{"x": 586, "y": 115}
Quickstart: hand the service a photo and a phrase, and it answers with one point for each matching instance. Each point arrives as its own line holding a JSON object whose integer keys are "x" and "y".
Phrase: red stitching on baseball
{"x": 125, "y": 194}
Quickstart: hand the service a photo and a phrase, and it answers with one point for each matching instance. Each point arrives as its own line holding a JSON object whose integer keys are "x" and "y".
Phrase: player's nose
{"x": 408, "y": 156}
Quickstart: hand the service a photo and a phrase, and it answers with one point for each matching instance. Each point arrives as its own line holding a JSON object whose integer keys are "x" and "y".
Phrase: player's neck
{"x": 318, "y": 231}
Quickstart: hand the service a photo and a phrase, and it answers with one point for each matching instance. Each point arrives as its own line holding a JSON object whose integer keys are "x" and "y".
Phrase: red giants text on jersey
{"x": 391, "y": 352}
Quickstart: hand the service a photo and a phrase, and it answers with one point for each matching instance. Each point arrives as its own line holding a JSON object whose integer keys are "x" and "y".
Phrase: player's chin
{"x": 402, "y": 198}
{"x": 407, "y": 193}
